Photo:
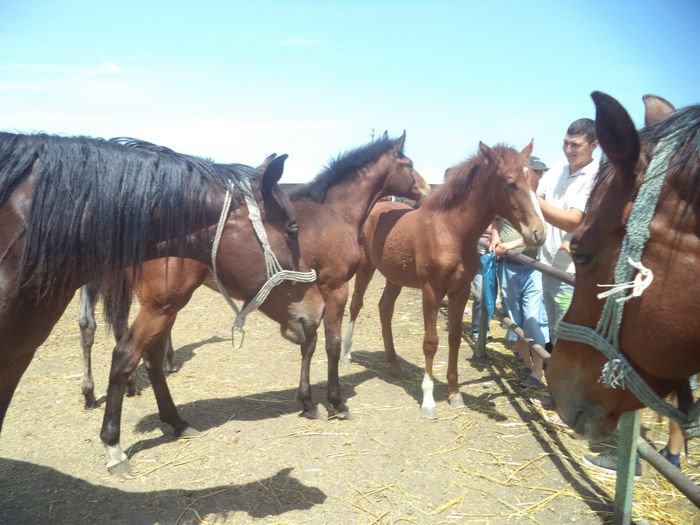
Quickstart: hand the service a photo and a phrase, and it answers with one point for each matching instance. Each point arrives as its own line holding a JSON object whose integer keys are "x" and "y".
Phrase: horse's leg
{"x": 124, "y": 362}
{"x": 153, "y": 360}
{"x": 363, "y": 276}
{"x": 332, "y": 322}
{"x": 455, "y": 315}
{"x": 170, "y": 355}
{"x": 9, "y": 379}
{"x": 430, "y": 344}
{"x": 304, "y": 391}
{"x": 386, "y": 312}
{"x": 120, "y": 328}
{"x": 87, "y": 325}
{"x": 147, "y": 331}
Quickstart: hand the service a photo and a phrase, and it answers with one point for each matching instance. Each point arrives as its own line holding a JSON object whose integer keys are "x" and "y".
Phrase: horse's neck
{"x": 468, "y": 221}
{"x": 353, "y": 199}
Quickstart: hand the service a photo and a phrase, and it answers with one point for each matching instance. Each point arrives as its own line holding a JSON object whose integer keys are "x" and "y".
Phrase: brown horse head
{"x": 403, "y": 180}
{"x": 296, "y": 306}
{"x": 659, "y": 335}
{"x": 510, "y": 196}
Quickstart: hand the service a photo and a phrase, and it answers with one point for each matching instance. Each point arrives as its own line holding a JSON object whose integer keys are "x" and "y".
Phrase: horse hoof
{"x": 310, "y": 413}
{"x": 90, "y": 402}
{"x": 341, "y": 412}
{"x": 345, "y": 361}
{"x": 120, "y": 469}
{"x": 189, "y": 432}
{"x": 428, "y": 413}
{"x": 457, "y": 401}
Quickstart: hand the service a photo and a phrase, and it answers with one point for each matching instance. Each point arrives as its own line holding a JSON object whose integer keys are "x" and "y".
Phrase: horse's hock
{"x": 495, "y": 461}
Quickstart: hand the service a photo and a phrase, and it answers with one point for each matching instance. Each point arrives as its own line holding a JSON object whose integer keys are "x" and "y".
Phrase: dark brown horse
{"x": 330, "y": 211}
{"x": 657, "y": 333}
{"x": 76, "y": 210}
{"x": 434, "y": 249}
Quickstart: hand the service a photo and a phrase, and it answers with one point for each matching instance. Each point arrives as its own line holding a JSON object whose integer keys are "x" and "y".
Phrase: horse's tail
{"x": 117, "y": 303}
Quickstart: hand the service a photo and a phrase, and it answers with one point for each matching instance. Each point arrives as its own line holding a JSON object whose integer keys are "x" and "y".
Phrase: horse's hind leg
{"x": 386, "y": 313}
{"x": 170, "y": 366}
{"x": 124, "y": 362}
{"x": 364, "y": 274}
{"x": 457, "y": 303}
{"x": 430, "y": 344}
{"x": 153, "y": 360}
{"x": 144, "y": 338}
{"x": 86, "y": 321}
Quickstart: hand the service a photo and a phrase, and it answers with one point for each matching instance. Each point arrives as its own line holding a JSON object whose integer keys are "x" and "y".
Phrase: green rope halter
{"x": 618, "y": 372}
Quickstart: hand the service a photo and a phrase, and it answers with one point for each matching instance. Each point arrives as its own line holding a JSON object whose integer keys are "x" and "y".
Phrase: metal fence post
{"x": 626, "y": 463}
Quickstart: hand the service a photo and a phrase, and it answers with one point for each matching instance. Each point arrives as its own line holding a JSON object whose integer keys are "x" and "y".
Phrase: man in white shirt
{"x": 562, "y": 195}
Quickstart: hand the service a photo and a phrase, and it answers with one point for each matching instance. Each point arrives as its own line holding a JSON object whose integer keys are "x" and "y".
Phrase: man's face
{"x": 578, "y": 150}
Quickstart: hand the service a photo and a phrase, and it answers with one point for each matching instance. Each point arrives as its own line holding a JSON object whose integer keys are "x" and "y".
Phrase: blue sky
{"x": 235, "y": 81}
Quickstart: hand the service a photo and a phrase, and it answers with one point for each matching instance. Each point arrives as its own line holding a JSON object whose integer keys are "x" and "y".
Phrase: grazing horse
{"x": 641, "y": 233}
{"x": 76, "y": 210}
{"x": 330, "y": 211}
{"x": 434, "y": 249}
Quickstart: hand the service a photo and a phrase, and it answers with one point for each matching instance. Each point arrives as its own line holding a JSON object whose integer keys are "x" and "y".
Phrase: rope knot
{"x": 614, "y": 374}
{"x": 641, "y": 282}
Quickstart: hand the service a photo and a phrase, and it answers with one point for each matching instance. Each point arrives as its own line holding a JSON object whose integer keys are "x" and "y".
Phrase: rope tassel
{"x": 641, "y": 282}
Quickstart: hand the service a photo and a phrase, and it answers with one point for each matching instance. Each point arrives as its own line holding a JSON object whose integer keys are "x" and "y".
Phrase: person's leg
{"x": 477, "y": 283}
{"x": 534, "y": 315}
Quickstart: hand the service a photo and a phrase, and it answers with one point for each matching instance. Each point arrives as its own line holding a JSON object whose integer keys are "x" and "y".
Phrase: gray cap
{"x": 537, "y": 164}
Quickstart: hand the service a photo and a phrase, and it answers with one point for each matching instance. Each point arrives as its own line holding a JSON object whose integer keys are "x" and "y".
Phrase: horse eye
{"x": 293, "y": 230}
{"x": 512, "y": 185}
{"x": 581, "y": 259}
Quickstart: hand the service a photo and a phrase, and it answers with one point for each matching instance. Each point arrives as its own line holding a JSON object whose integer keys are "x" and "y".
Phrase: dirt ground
{"x": 495, "y": 461}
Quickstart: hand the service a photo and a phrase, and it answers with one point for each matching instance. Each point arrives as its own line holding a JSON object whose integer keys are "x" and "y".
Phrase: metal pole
{"x": 626, "y": 463}
{"x": 670, "y": 472}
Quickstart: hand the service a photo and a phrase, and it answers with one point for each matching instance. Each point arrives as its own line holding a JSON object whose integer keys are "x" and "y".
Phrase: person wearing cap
{"x": 521, "y": 288}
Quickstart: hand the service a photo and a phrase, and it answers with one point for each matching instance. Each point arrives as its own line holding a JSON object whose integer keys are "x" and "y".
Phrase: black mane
{"x": 345, "y": 165}
{"x": 684, "y": 168}
{"x": 94, "y": 201}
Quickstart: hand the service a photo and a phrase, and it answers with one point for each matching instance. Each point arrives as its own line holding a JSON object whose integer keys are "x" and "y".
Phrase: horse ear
{"x": 266, "y": 162}
{"x": 385, "y": 135}
{"x": 273, "y": 173}
{"x": 398, "y": 145}
{"x": 656, "y": 109}
{"x": 486, "y": 152}
{"x": 527, "y": 150}
{"x": 616, "y": 133}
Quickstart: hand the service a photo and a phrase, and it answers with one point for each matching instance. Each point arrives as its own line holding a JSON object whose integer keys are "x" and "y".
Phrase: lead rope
{"x": 618, "y": 372}
{"x": 274, "y": 271}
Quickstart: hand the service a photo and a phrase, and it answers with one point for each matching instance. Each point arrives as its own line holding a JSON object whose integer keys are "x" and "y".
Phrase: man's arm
{"x": 567, "y": 220}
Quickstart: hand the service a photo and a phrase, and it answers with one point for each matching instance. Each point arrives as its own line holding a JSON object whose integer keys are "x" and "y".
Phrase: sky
{"x": 236, "y": 81}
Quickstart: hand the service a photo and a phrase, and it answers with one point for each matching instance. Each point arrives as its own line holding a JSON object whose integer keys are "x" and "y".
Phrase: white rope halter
{"x": 274, "y": 271}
